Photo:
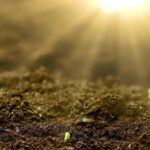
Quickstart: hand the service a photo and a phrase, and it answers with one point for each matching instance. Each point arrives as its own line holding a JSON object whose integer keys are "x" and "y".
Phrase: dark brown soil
{"x": 37, "y": 108}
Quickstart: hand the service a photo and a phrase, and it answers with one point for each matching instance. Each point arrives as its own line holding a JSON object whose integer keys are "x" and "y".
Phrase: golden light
{"x": 122, "y": 6}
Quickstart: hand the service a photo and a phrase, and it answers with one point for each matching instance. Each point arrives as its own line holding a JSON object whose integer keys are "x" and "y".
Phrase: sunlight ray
{"x": 131, "y": 51}
{"x": 85, "y": 54}
{"x": 68, "y": 29}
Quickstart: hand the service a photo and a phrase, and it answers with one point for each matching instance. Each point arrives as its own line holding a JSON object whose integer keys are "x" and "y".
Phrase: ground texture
{"x": 38, "y": 107}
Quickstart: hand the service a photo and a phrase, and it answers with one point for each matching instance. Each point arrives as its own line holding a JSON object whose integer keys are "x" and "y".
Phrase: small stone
{"x": 17, "y": 130}
{"x": 67, "y": 148}
{"x": 39, "y": 108}
{"x": 84, "y": 120}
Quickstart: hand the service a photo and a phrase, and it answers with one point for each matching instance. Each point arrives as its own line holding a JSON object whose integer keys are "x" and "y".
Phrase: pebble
{"x": 67, "y": 148}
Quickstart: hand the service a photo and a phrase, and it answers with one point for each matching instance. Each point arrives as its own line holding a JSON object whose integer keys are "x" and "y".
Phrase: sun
{"x": 121, "y": 6}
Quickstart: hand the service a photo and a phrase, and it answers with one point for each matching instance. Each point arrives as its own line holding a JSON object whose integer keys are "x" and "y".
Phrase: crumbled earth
{"x": 38, "y": 107}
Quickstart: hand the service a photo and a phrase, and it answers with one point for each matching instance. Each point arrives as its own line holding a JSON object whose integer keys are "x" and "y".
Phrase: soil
{"x": 38, "y": 107}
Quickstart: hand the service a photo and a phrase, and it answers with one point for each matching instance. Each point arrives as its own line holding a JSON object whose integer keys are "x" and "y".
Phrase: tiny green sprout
{"x": 149, "y": 93}
{"x": 67, "y": 137}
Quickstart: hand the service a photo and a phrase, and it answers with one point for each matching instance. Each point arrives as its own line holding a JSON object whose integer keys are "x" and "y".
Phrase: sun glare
{"x": 121, "y": 6}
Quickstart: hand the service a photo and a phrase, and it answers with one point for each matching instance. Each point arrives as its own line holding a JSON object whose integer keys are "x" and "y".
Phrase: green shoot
{"x": 67, "y": 137}
{"x": 149, "y": 93}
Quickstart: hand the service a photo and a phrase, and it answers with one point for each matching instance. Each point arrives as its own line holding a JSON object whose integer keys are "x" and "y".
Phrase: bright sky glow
{"x": 125, "y": 6}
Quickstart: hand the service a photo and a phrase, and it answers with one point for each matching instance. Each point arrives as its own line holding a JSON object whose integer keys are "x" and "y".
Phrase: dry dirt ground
{"x": 38, "y": 107}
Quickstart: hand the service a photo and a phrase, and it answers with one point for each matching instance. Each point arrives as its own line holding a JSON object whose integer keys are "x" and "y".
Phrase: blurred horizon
{"x": 75, "y": 38}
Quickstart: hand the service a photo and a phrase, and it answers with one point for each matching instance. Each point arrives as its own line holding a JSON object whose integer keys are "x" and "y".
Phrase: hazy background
{"x": 75, "y": 38}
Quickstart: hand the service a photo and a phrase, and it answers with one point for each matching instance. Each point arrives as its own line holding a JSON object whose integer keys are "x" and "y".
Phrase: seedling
{"x": 67, "y": 137}
{"x": 149, "y": 93}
